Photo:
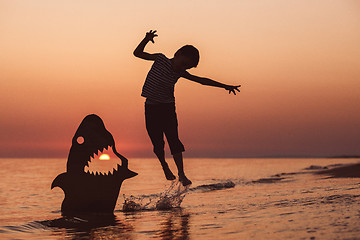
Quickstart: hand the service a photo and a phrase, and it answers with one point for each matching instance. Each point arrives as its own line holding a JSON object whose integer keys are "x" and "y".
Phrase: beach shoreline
{"x": 345, "y": 171}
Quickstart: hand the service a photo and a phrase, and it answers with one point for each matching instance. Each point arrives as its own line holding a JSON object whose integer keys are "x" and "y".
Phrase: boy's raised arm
{"x": 139, "y": 51}
{"x": 210, "y": 82}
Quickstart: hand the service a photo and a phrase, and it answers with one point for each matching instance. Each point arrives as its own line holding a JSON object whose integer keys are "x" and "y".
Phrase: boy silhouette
{"x": 158, "y": 89}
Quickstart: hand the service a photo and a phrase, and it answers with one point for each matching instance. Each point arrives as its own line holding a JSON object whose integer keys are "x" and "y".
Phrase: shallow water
{"x": 229, "y": 199}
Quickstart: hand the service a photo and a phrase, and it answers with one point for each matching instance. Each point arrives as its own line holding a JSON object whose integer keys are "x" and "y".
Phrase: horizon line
{"x": 202, "y": 157}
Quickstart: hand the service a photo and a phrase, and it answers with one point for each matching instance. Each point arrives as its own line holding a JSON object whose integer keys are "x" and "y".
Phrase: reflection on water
{"x": 91, "y": 227}
{"x": 175, "y": 225}
{"x": 165, "y": 224}
{"x": 169, "y": 224}
{"x": 229, "y": 199}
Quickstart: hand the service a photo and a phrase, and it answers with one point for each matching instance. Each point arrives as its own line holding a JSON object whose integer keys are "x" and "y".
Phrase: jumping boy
{"x": 158, "y": 89}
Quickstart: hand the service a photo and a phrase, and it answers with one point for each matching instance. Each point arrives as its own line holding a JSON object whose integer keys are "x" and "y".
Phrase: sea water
{"x": 229, "y": 199}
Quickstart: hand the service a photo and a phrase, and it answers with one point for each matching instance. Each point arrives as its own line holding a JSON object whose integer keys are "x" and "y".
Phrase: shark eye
{"x": 80, "y": 140}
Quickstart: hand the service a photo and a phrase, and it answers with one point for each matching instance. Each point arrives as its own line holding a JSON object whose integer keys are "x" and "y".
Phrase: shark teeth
{"x": 100, "y": 150}
{"x": 88, "y": 169}
{"x": 99, "y": 174}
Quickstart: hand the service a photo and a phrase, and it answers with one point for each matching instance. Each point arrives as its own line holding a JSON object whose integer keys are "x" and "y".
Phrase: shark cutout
{"x": 87, "y": 192}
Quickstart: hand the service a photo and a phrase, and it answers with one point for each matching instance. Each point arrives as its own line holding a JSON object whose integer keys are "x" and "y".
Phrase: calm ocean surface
{"x": 229, "y": 199}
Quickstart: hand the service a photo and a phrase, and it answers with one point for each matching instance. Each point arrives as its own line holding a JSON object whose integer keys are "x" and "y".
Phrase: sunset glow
{"x": 297, "y": 62}
{"x": 104, "y": 157}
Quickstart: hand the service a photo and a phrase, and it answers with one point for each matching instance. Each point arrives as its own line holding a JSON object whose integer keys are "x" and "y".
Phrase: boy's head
{"x": 187, "y": 57}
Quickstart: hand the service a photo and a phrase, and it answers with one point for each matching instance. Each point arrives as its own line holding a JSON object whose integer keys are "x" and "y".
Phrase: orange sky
{"x": 298, "y": 63}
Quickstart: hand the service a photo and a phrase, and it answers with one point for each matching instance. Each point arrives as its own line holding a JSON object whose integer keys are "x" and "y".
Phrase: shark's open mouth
{"x": 103, "y": 162}
{"x": 93, "y": 150}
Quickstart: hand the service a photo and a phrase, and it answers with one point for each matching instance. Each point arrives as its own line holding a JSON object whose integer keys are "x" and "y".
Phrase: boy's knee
{"x": 159, "y": 149}
{"x": 159, "y": 152}
{"x": 178, "y": 147}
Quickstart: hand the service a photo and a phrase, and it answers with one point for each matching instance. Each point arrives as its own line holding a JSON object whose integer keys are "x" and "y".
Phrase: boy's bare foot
{"x": 168, "y": 174}
{"x": 184, "y": 180}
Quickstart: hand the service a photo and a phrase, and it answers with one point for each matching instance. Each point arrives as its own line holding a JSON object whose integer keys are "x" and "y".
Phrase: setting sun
{"x": 104, "y": 157}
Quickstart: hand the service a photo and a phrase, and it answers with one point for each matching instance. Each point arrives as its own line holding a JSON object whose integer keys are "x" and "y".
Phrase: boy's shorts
{"x": 161, "y": 119}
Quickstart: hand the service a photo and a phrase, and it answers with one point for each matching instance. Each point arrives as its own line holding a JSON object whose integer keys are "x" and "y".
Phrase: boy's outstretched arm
{"x": 139, "y": 51}
{"x": 210, "y": 82}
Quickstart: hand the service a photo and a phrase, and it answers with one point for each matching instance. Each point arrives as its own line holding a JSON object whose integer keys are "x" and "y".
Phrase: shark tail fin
{"x": 59, "y": 181}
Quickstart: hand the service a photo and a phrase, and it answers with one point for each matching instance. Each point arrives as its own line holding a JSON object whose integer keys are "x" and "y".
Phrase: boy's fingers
{"x": 152, "y": 32}
{"x": 232, "y": 90}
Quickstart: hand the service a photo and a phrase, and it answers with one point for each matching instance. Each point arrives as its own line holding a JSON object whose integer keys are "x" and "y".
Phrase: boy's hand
{"x": 150, "y": 35}
{"x": 232, "y": 89}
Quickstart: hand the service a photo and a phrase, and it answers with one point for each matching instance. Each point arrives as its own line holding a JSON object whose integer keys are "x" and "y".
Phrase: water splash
{"x": 170, "y": 198}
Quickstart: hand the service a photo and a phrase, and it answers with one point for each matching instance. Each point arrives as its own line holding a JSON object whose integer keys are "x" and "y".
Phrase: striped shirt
{"x": 160, "y": 81}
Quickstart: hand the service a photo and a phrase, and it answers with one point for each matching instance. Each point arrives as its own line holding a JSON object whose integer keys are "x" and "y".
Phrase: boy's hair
{"x": 190, "y": 52}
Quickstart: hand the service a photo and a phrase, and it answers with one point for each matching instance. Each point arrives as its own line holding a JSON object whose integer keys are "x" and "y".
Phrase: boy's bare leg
{"x": 178, "y": 158}
{"x": 168, "y": 174}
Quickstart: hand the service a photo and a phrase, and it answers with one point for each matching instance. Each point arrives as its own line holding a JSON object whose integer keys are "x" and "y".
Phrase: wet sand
{"x": 346, "y": 171}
